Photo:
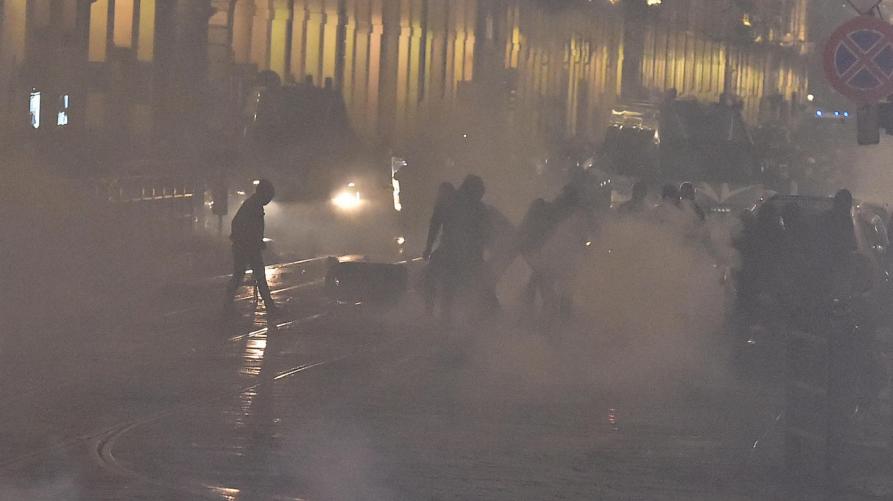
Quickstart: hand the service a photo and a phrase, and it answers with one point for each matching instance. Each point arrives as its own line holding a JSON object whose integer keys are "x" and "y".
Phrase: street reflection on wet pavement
{"x": 336, "y": 402}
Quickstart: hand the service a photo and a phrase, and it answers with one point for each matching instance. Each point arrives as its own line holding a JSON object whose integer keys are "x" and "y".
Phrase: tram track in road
{"x": 103, "y": 440}
{"x": 23, "y": 393}
{"x": 289, "y": 270}
{"x": 103, "y": 444}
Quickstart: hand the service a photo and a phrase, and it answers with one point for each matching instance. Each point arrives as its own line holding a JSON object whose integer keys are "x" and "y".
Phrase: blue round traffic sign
{"x": 859, "y": 59}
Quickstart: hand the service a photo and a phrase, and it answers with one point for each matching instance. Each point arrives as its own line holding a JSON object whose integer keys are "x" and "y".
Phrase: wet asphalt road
{"x": 336, "y": 402}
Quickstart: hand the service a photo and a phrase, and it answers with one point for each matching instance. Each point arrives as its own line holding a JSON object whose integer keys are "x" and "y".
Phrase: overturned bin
{"x": 364, "y": 282}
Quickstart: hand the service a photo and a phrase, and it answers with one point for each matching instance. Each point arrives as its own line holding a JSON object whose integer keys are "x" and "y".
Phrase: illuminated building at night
{"x": 150, "y": 71}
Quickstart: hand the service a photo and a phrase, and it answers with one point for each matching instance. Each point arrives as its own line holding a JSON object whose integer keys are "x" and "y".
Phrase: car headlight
{"x": 348, "y": 199}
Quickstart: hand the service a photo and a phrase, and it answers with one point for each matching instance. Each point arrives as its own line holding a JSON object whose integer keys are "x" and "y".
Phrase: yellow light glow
{"x": 123, "y": 24}
{"x": 99, "y": 18}
{"x": 347, "y": 200}
{"x": 146, "y": 38}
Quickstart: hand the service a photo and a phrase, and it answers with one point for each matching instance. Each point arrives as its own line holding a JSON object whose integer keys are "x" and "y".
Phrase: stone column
{"x": 181, "y": 73}
{"x": 280, "y": 43}
{"x": 243, "y": 18}
{"x": 260, "y": 34}
{"x": 314, "y": 41}
{"x": 221, "y": 40}
{"x": 298, "y": 40}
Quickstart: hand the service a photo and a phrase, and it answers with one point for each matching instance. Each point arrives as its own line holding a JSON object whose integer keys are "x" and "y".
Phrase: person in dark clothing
{"x": 445, "y": 195}
{"x": 433, "y": 275}
{"x": 761, "y": 247}
{"x": 466, "y": 228}
{"x": 247, "y": 236}
{"x": 637, "y": 203}
{"x": 533, "y": 231}
{"x": 841, "y": 234}
{"x": 668, "y": 211}
{"x": 466, "y": 231}
{"x": 848, "y": 372}
{"x": 535, "y": 226}
{"x": 550, "y": 238}
{"x": 687, "y": 199}
{"x": 669, "y": 195}
{"x": 836, "y": 246}
{"x": 797, "y": 271}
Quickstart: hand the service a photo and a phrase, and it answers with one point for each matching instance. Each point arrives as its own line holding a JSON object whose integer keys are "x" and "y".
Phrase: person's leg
{"x": 260, "y": 277}
{"x": 239, "y": 265}
{"x": 450, "y": 280}
{"x": 429, "y": 288}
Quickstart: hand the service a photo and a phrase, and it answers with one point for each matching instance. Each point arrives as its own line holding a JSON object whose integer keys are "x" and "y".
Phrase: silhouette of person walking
{"x": 466, "y": 231}
{"x": 247, "y": 236}
{"x": 434, "y": 271}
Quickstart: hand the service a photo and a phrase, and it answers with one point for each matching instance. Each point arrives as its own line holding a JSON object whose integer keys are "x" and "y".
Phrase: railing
{"x": 161, "y": 206}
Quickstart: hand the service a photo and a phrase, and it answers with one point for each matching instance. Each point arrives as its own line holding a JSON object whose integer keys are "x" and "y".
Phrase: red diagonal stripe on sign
{"x": 866, "y": 59}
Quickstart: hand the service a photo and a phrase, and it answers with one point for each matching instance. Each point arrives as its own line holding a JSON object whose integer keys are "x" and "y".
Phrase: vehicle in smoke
{"x": 687, "y": 140}
{"x": 300, "y": 136}
{"x": 364, "y": 208}
{"x": 768, "y": 298}
{"x": 869, "y": 223}
{"x": 682, "y": 138}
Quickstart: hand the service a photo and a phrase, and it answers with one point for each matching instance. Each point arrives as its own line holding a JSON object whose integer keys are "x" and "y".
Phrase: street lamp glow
{"x": 810, "y": 98}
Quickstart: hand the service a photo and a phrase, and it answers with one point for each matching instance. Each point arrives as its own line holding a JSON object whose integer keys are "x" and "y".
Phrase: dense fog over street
{"x": 446, "y": 249}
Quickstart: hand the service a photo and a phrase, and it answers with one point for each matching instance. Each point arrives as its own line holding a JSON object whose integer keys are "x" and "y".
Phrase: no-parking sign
{"x": 859, "y": 59}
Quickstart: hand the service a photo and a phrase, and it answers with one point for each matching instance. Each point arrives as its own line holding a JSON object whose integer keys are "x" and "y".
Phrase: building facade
{"x": 175, "y": 73}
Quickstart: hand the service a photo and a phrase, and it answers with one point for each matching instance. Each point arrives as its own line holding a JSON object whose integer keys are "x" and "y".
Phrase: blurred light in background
{"x": 34, "y": 107}
{"x": 348, "y": 199}
{"x": 64, "y": 105}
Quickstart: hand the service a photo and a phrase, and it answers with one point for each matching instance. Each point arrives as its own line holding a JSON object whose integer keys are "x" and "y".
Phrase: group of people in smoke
{"x": 783, "y": 253}
{"x": 551, "y": 239}
{"x": 462, "y": 223}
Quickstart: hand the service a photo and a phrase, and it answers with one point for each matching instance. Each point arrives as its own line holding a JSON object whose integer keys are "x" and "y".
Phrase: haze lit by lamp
{"x": 349, "y": 199}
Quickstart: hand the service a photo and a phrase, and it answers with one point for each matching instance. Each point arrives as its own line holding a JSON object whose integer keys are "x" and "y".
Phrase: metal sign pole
{"x": 873, "y": 9}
